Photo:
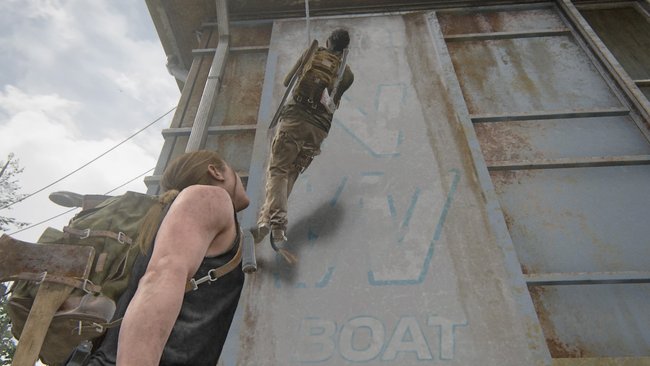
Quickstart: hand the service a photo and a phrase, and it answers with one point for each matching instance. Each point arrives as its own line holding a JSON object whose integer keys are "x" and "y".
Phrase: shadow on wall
{"x": 319, "y": 224}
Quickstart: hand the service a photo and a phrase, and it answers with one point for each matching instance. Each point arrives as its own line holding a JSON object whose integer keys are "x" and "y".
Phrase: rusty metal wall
{"x": 232, "y": 128}
{"x": 557, "y": 138}
{"x": 624, "y": 29}
{"x": 480, "y": 199}
{"x": 397, "y": 262}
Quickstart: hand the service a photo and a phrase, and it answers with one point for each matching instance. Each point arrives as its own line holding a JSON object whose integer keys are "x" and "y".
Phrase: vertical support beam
{"x": 307, "y": 22}
{"x": 206, "y": 106}
{"x": 600, "y": 50}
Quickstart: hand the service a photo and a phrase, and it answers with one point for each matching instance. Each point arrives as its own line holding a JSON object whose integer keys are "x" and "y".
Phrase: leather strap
{"x": 215, "y": 273}
{"x": 87, "y": 233}
{"x": 79, "y": 283}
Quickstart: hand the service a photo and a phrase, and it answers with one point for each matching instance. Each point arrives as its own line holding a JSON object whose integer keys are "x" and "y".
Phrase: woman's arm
{"x": 197, "y": 216}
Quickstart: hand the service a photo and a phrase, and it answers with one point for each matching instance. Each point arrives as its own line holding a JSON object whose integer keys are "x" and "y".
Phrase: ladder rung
{"x": 242, "y": 49}
{"x": 213, "y": 130}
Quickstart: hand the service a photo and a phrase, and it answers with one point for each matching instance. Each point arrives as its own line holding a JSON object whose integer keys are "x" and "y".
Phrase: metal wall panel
{"x": 560, "y": 138}
{"x": 538, "y": 97}
{"x": 543, "y": 74}
{"x": 578, "y": 219}
{"x": 575, "y": 318}
{"x": 470, "y": 21}
{"x": 397, "y": 265}
{"x": 241, "y": 90}
{"x": 624, "y": 30}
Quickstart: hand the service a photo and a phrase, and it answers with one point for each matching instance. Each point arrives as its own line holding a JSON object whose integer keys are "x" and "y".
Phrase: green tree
{"x": 9, "y": 170}
{"x": 9, "y": 191}
{"x": 7, "y": 345}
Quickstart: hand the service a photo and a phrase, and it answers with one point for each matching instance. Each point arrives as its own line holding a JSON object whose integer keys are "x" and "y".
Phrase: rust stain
{"x": 503, "y": 141}
{"x": 241, "y": 90}
{"x": 465, "y": 23}
{"x": 556, "y": 346}
{"x": 248, "y": 36}
{"x": 475, "y": 63}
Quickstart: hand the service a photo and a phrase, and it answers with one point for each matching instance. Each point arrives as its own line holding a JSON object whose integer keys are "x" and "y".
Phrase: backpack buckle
{"x": 121, "y": 237}
{"x": 42, "y": 276}
{"x": 210, "y": 277}
{"x": 87, "y": 282}
{"x": 85, "y": 234}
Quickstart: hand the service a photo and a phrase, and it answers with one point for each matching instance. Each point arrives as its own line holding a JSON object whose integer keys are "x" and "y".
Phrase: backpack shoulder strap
{"x": 215, "y": 273}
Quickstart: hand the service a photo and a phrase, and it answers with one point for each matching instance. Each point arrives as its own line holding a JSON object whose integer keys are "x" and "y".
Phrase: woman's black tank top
{"x": 202, "y": 325}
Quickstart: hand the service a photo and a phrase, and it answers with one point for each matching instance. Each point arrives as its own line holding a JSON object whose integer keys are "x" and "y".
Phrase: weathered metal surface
{"x": 595, "y": 320}
{"x": 59, "y": 260}
{"x": 236, "y": 103}
{"x": 250, "y": 34}
{"x": 195, "y": 87}
{"x": 532, "y": 74}
{"x": 589, "y": 40}
{"x": 398, "y": 263}
{"x": 646, "y": 91}
{"x": 236, "y": 148}
{"x": 239, "y": 99}
{"x": 560, "y": 138}
{"x": 205, "y": 110}
{"x": 625, "y": 33}
{"x": 578, "y": 220}
{"x": 457, "y": 23}
{"x": 176, "y": 21}
{"x": 569, "y": 220}
{"x": 374, "y": 222}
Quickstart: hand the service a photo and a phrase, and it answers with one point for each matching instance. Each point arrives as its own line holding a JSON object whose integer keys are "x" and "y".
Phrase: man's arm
{"x": 346, "y": 82}
{"x": 196, "y": 217}
{"x": 294, "y": 69}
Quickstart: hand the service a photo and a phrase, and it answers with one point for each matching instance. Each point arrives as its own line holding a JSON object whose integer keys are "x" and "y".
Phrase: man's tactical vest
{"x": 319, "y": 73}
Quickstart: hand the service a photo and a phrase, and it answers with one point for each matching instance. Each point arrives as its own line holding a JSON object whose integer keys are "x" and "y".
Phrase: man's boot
{"x": 260, "y": 232}
{"x": 278, "y": 236}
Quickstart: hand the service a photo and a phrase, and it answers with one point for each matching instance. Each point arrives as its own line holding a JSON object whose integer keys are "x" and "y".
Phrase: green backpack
{"x": 319, "y": 73}
{"x": 112, "y": 229}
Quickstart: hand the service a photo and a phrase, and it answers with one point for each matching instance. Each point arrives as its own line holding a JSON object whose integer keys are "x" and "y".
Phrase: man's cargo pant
{"x": 295, "y": 144}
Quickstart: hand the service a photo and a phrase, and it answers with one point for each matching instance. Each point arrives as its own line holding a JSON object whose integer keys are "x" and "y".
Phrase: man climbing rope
{"x": 304, "y": 122}
{"x": 173, "y": 317}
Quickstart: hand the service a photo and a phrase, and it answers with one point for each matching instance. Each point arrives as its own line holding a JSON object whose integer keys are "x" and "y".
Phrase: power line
{"x": 122, "y": 185}
{"x": 91, "y": 161}
{"x": 44, "y": 221}
{"x": 74, "y": 208}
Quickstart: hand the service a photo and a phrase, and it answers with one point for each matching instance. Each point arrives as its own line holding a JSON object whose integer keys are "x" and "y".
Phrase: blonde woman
{"x": 163, "y": 324}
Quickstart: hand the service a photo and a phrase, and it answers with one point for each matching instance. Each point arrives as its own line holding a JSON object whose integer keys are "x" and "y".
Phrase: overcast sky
{"x": 78, "y": 77}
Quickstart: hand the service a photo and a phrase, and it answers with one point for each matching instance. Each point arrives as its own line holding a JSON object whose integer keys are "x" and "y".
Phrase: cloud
{"x": 78, "y": 78}
{"x": 88, "y": 51}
